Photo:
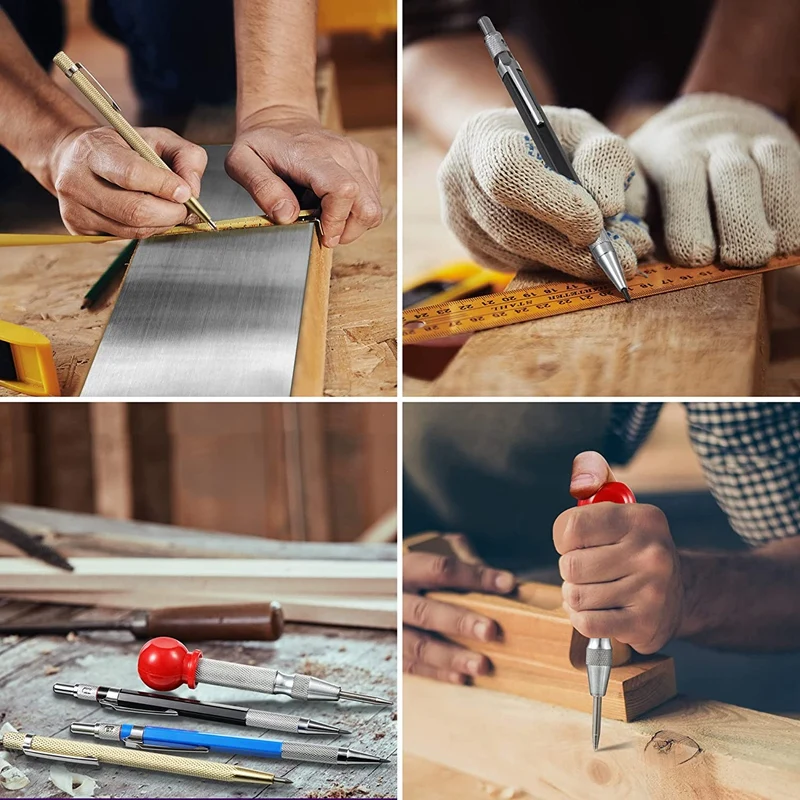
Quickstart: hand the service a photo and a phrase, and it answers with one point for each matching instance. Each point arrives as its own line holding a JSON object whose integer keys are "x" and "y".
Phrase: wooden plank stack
{"x": 331, "y": 592}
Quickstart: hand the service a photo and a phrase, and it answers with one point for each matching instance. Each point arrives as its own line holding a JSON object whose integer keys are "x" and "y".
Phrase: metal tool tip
{"x": 213, "y": 224}
{"x": 343, "y": 732}
{"x": 595, "y": 743}
{"x": 486, "y": 26}
{"x": 627, "y": 295}
{"x": 281, "y": 780}
{"x": 364, "y": 698}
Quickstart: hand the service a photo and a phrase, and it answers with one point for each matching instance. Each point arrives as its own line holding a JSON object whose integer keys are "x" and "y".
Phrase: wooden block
{"x": 533, "y": 624}
{"x": 541, "y": 656}
{"x": 684, "y": 749}
{"x": 709, "y": 340}
{"x": 633, "y": 688}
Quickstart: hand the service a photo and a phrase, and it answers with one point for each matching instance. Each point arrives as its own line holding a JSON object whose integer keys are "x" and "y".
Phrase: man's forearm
{"x": 743, "y": 601}
{"x": 276, "y": 55}
{"x": 447, "y": 79}
{"x": 750, "y": 51}
{"x": 35, "y": 115}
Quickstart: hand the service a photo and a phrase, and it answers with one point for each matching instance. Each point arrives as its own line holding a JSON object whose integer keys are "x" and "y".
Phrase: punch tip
{"x": 627, "y": 295}
{"x": 364, "y": 698}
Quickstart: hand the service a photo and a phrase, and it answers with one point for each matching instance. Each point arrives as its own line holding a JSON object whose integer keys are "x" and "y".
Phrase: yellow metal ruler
{"x": 240, "y": 223}
{"x": 424, "y": 323}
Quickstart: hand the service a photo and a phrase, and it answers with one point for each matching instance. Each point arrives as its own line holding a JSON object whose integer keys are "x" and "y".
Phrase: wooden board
{"x": 684, "y": 749}
{"x": 541, "y": 656}
{"x": 350, "y": 612}
{"x": 359, "y": 660}
{"x": 278, "y": 576}
{"x": 705, "y": 341}
{"x": 89, "y": 535}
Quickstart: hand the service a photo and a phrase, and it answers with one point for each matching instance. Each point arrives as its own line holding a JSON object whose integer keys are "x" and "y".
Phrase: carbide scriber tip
{"x": 627, "y": 295}
{"x": 280, "y": 780}
{"x": 363, "y": 698}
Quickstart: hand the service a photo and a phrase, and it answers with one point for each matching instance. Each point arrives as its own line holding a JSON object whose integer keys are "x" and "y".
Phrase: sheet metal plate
{"x": 208, "y": 314}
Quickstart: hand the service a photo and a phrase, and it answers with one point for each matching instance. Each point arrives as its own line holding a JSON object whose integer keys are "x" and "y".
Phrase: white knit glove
{"x": 512, "y": 212}
{"x": 746, "y": 156}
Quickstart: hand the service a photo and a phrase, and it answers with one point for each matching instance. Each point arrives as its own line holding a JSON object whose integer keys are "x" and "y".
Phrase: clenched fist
{"x": 621, "y": 571}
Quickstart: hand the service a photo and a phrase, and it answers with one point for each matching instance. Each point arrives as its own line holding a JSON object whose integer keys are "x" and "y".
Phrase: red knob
{"x": 613, "y": 492}
{"x": 165, "y": 663}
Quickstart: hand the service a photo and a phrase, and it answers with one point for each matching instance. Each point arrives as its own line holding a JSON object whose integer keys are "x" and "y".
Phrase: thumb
{"x": 589, "y": 472}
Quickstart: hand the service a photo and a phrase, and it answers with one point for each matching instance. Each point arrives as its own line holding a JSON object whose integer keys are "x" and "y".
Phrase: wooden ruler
{"x": 425, "y": 323}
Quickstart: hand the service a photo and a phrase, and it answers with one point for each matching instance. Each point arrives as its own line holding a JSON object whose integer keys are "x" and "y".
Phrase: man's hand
{"x": 512, "y": 212}
{"x": 425, "y": 653}
{"x": 728, "y": 174}
{"x": 621, "y": 570}
{"x": 344, "y": 174}
{"x": 104, "y": 187}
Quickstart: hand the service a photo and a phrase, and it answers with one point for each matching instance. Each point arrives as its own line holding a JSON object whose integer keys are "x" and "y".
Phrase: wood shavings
{"x": 11, "y": 777}
{"x": 72, "y": 637}
{"x": 72, "y": 783}
{"x": 51, "y": 669}
{"x": 13, "y": 639}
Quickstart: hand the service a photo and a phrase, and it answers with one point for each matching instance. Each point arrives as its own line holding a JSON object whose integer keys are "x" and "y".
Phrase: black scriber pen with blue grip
{"x": 546, "y": 141}
{"x": 174, "y": 740}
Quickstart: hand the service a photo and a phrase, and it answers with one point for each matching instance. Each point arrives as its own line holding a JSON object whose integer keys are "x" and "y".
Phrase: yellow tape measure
{"x": 425, "y": 323}
{"x": 240, "y": 223}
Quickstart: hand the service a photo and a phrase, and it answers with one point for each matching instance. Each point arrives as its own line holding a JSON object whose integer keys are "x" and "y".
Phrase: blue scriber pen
{"x": 174, "y": 740}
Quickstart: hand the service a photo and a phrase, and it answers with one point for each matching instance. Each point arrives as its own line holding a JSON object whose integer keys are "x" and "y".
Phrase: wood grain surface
{"x": 684, "y": 749}
{"x": 359, "y": 660}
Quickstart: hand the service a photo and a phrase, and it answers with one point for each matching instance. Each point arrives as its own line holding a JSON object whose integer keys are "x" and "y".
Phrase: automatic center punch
{"x": 165, "y": 664}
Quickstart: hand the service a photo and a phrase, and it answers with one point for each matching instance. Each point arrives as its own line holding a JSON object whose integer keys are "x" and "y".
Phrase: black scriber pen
{"x": 546, "y": 141}
{"x": 130, "y": 701}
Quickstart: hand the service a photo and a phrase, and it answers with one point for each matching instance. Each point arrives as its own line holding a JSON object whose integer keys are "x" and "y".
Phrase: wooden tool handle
{"x": 251, "y": 622}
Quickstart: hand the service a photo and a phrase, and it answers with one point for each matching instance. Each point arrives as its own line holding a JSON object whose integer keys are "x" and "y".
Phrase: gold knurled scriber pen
{"x": 92, "y": 90}
{"x": 88, "y": 754}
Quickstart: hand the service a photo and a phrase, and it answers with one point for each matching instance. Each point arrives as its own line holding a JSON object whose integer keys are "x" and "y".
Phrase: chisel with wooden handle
{"x": 249, "y": 622}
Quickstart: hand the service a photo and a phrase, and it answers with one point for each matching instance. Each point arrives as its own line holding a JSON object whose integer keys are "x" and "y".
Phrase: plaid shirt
{"x": 749, "y": 452}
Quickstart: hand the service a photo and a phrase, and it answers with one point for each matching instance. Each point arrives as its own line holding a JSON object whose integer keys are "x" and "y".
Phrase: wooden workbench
{"x": 470, "y": 741}
{"x": 359, "y": 660}
{"x": 711, "y": 340}
{"x": 42, "y": 287}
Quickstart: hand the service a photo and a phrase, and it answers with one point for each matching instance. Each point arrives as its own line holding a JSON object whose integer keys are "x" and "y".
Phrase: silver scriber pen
{"x": 546, "y": 141}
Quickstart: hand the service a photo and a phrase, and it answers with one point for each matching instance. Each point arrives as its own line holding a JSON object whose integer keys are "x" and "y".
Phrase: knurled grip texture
{"x": 115, "y": 119}
{"x": 298, "y": 751}
{"x": 300, "y": 687}
{"x": 495, "y": 44}
{"x": 598, "y": 657}
{"x": 240, "y": 676}
{"x": 269, "y": 720}
{"x": 178, "y": 765}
